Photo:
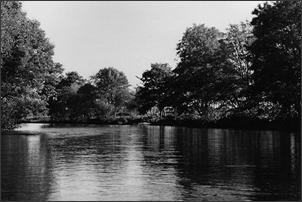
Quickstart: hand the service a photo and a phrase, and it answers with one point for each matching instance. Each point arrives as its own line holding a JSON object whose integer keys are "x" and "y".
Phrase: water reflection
{"x": 25, "y": 168}
{"x": 149, "y": 163}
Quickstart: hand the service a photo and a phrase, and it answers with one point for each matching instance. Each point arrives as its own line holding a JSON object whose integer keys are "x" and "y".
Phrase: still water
{"x": 77, "y": 162}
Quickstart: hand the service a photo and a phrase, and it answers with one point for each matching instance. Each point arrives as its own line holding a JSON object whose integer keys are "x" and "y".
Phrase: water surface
{"x": 78, "y": 162}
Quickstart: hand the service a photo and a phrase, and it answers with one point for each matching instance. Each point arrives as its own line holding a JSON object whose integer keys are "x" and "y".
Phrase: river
{"x": 120, "y": 162}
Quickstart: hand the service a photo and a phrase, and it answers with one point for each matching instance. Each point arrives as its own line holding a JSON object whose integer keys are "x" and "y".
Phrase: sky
{"x": 129, "y": 36}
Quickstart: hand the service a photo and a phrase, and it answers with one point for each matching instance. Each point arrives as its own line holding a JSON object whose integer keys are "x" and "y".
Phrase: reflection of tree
{"x": 246, "y": 163}
{"x": 158, "y": 138}
{"x": 25, "y": 168}
{"x": 176, "y": 162}
{"x": 193, "y": 145}
{"x": 182, "y": 152}
{"x": 279, "y": 172}
{"x": 90, "y": 161}
{"x": 103, "y": 151}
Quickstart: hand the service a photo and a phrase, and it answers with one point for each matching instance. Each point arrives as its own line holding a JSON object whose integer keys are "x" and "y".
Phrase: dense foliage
{"x": 276, "y": 57}
{"x": 28, "y": 72}
{"x": 64, "y": 104}
{"x": 206, "y": 76}
{"x": 252, "y": 71}
{"x": 78, "y": 100}
{"x": 154, "y": 92}
{"x": 112, "y": 88}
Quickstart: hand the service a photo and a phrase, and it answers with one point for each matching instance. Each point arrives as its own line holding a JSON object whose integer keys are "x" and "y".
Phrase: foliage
{"x": 79, "y": 100}
{"x": 252, "y": 71}
{"x": 153, "y": 91}
{"x": 131, "y": 104}
{"x": 64, "y": 105}
{"x": 276, "y": 52}
{"x": 205, "y": 75}
{"x": 112, "y": 88}
{"x": 28, "y": 72}
{"x": 235, "y": 45}
{"x": 237, "y": 40}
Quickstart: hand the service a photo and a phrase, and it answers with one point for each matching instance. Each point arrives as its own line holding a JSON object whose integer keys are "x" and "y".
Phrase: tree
{"x": 204, "y": 74}
{"x": 276, "y": 56}
{"x": 235, "y": 45}
{"x": 71, "y": 79}
{"x": 64, "y": 104}
{"x": 113, "y": 89}
{"x": 131, "y": 104}
{"x": 28, "y": 72}
{"x": 85, "y": 102}
{"x": 237, "y": 39}
{"x": 153, "y": 92}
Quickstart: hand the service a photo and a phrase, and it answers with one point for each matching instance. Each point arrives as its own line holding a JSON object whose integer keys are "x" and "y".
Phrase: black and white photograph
{"x": 151, "y": 100}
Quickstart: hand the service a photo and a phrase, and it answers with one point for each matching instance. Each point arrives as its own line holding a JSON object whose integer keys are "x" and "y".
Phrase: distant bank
{"x": 230, "y": 123}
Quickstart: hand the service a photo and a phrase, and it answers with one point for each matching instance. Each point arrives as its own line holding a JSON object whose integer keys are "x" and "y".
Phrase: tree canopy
{"x": 253, "y": 70}
{"x": 28, "y": 72}
{"x": 205, "y": 74}
{"x": 112, "y": 87}
{"x": 276, "y": 55}
{"x": 153, "y": 91}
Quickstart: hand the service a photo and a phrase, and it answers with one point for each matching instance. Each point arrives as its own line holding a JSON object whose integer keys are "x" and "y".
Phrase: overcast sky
{"x": 127, "y": 35}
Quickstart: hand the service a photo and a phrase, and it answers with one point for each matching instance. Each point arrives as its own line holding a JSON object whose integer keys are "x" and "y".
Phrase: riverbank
{"x": 105, "y": 121}
{"x": 235, "y": 123}
{"x": 227, "y": 123}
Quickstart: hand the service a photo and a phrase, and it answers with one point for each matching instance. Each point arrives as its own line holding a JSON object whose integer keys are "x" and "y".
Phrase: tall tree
{"x": 153, "y": 91}
{"x": 28, "y": 72}
{"x": 113, "y": 88}
{"x": 276, "y": 55}
{"x": 204, "y": 75}
{"x": 85, "y": 107}
{"x": 64, "y": 104}
{"x": 238, "y": 38}
{"x": 235, "y": 45}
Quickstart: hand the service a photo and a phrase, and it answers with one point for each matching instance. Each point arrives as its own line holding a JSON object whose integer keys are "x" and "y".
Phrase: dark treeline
{"x": 249, "y": 74}
{"x": 106, "y": 95}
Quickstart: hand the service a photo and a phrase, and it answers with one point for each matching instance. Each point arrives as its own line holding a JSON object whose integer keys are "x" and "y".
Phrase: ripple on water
{"x": 79, "y": 162}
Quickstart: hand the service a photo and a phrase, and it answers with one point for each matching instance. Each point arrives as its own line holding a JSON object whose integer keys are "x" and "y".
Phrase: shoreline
{"x": 237, "y": 123}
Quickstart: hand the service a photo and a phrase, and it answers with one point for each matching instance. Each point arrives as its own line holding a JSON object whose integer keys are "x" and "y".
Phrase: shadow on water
{"x": 77, "y": 162}
{"x": 233, "y": 164}
{"x": 25, "y": 167}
